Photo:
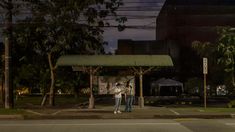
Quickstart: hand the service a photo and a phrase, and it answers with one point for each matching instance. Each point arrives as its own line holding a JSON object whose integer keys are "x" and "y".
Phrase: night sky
{"x": 141, "y": 15}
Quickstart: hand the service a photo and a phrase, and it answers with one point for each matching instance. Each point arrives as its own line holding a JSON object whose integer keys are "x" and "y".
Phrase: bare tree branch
{"x": 4, "y": 4}
{"x": 96, "y": 70}
{"x": 134, "y": 70}
{"x": 148, "y": 70}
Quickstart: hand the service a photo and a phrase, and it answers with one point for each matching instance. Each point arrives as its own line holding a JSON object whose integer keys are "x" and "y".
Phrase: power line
{"x": 138, "y": 10}
{"x": 108, "y": 17}
{"x": 120, "y": 9}
{"x": 111, "y": 26}
{"x": 149, "y": 8}
{"x": 141, "y": 6}
{"x": 143, "y": 3}
{"x": 124, "y": 1}
{"x": 146, "y": 1}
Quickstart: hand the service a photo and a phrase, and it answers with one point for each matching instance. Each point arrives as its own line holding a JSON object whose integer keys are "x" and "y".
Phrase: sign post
{"x": 205, "y": 71}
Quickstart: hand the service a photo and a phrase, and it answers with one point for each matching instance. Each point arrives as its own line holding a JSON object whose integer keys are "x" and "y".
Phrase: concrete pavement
{"x": 123, "y": 125}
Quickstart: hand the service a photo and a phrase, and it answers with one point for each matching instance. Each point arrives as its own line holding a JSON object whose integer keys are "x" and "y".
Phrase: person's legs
{"x": 127, "y": 103}
{"x": 116, "y": 105}
{"x": 131, "y": 102}
{"x": 119, "y": 104}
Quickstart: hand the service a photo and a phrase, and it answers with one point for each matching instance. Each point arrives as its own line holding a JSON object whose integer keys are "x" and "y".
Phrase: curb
{"x": 193, "y": 116}
{"x": 95, "y": 116}
{"x": 7, "y": 117}
{"x": 117, "y": 117}
{"x": 54, "y": 117}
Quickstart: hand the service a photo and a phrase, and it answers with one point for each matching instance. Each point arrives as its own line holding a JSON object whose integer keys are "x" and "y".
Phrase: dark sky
{"x": 141, "y": 15}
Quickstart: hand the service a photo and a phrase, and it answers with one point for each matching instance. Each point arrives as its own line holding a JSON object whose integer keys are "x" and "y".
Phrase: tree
{"x": 209, "y": 50}
{"x": 58, "y": 27}
{"x": 226, "y": 49}
{"x": 221, "y": 56}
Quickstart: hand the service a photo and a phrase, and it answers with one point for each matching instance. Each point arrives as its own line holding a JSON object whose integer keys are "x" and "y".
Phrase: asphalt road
{"x": 140, "y": 125}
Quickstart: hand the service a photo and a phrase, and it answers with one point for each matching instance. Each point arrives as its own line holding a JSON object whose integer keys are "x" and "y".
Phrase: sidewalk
{"x": 106, "y": 112}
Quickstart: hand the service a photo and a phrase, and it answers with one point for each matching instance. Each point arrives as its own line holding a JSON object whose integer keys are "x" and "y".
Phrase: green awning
{"x": 115, "y": 60}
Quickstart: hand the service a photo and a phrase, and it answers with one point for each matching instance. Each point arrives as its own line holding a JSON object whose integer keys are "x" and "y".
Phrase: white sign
{"x": 205, "y": 66}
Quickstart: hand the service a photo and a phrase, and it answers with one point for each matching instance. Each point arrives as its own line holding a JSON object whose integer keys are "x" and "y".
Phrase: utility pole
{"x": 2, "y": 74}
{"x": 8, "y": 68}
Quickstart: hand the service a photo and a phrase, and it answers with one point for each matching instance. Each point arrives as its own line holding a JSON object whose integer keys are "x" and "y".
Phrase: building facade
{"x": 182, "y": 22}
{"x": 185, "y": 21}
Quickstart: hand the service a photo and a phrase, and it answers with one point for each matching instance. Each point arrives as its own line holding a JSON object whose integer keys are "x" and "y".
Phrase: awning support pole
{"x": 141, "y": 72}
{"x": 91, "y": 99}
{"x": 141, "y": 98}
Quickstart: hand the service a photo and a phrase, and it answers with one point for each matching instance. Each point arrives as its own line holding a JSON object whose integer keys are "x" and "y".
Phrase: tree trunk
{"x": 91, "y": 99}
{"x": 76, "y": 88}
{"x": 75, "y": 92}
{"x": 2, "y": 91}
{"x": 52, "y": 71}
{"x": 44, "y": 99}
{"x": 233, "y": 83}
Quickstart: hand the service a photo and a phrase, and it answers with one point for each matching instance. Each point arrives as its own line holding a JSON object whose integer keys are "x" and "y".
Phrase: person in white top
{"x": 118, "y": 98}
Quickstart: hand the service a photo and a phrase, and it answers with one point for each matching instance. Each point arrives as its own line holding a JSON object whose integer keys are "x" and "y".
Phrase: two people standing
{"x": 129, "y": 97}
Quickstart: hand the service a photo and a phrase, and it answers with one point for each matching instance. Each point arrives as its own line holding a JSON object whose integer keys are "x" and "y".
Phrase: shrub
{"x": 231, "y": 104}
{"x": 194, "y": 86}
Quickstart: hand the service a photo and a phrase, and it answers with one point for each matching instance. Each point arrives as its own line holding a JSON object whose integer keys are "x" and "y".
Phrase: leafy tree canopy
{"x": 57, "y": 27}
